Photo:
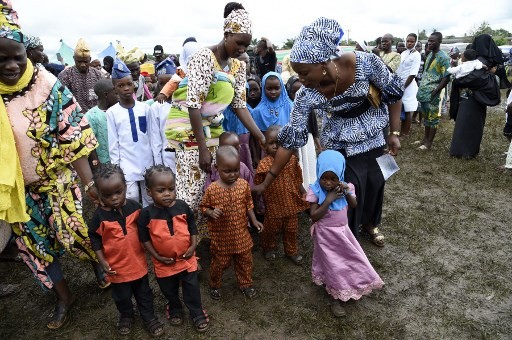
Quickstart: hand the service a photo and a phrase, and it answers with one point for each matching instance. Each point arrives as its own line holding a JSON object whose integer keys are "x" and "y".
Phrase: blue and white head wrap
{"x": 120, "y": 70}
{"x": 317, "y": 42}
{"x": 329, "y": 160}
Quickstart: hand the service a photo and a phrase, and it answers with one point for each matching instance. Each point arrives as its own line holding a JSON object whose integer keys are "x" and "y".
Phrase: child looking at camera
{"x": 114, "y": 237}
{"x": 168, "y": 231}
{"x": 339, "y": 262}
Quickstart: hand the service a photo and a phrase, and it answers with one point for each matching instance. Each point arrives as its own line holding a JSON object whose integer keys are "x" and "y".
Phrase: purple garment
{"x": 245, "y": 152}
{"x": 245, "y": 173}
{"x": 339, "y": 262}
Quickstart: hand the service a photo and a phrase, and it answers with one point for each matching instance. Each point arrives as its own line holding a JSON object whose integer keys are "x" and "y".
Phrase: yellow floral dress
{"x": 50, "y": 133}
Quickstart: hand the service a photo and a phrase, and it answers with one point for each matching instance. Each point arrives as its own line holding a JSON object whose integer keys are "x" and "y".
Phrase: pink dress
{"x": 339, "y": 262}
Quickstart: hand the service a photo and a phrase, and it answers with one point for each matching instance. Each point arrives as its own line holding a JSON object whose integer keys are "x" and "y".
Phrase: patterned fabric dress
{"x": 50, "y": 133}
{"x": 436, "y": 68}
{"x": 210, "y": 89}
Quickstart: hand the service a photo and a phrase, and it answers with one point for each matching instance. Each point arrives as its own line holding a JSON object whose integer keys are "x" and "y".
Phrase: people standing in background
{"x": 81, "y": 77}
{"x": 400, "y": 47}
{"x": 265, "y": 59}
{"x": 361, "y": 46}
{"x": 128, "y": 134}
{"x": 434, "y": 78}
{"x": 35, "y": 49}
{"x": 416, "y": 116}
{"x": 190, "y": 46}
{"x": 287, "y": 71}
{"x": 391, "y": 59}
{"x": 97, "y": 118}
{"x": 132, "y": 60}
{"x": 108, "y": 63}
{"x": 410, "y": 61}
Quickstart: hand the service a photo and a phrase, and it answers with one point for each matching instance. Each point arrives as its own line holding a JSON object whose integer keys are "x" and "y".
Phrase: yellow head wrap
{"x": 82, "y": 49}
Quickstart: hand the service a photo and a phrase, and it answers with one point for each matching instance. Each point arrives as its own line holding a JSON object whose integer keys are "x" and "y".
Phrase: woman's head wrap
{"x": 238, "y": 22}
{"x": 9, "y": 26}
{"x": 31, "y": 41}
{"x": 82, "y": 49}
{"x": 317, "y": 42}
{"x": 363, "y": 44}
{"x": 329, "y": 160}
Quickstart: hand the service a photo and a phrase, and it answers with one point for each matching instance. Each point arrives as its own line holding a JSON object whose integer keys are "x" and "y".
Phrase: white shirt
{"x": 129, "y": 139}
{"x": 465, "y": 68}
{"x": 159, "y": 114}
{"x": 410, "y": 61}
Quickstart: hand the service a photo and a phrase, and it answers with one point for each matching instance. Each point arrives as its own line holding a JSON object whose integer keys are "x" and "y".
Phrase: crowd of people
{"x": 210, "y": 145}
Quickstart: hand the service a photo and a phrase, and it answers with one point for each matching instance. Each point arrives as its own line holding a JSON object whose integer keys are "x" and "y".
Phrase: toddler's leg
{"x": 220, "y": 262}
{"x": 290, "y": 229}
{"x": 272, "y": 227}
{"x": 132, "y": 190}
{"x": 122, "y": 296}
{"x": 170, "y": 288}
{"x": 144, "y": 297}
{"x": 192, "y": 293}
{"x": 243, "y": 268}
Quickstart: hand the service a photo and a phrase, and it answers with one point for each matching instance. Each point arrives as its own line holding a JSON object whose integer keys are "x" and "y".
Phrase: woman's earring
{"x": 324, "y": 72}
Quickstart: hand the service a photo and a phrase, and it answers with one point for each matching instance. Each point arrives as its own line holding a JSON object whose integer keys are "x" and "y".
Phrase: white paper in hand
{"x": 387, "y": 165}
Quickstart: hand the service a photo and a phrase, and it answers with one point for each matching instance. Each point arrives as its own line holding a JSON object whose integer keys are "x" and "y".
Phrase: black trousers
{"x": 364, "y": 172}
{"x": 191, "y": 293}
{"x": 122, "y": 294}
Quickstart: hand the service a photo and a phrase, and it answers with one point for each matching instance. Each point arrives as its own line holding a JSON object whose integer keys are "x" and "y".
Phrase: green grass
{"x": 446, "y": 265}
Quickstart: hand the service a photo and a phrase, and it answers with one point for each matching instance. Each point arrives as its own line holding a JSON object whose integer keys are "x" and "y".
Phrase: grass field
{"x": 446, "y": 265}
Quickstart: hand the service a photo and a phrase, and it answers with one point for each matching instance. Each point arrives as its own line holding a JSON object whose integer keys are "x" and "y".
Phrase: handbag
{"x": 374, "y": 95}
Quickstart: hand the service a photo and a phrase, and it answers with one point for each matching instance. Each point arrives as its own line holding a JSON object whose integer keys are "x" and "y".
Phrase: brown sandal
{"x": 154, "y": 327}
{"x": 59, "y": 316}
{"x": 377, "y": 237}
{"x": 124, "y": 325}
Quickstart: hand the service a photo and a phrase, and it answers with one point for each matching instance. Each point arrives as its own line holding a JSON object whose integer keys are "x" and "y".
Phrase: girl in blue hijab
{"x": 339, "y": 263}
{"x": 275, "y": 105}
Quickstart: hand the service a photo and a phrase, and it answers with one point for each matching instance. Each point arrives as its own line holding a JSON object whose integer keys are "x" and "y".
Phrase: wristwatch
{"x": 396, "y": 133}
{"x": 89, "y": 185}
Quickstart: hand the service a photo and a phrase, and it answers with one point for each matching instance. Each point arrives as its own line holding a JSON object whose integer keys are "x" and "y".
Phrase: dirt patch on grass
{"x": 446, "y": 265}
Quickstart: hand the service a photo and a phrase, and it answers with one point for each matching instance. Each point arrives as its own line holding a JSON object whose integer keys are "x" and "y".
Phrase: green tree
{"x": 288, "y": 44}
{"x": 422, "y": 35}
{"x": 254, "y": 42}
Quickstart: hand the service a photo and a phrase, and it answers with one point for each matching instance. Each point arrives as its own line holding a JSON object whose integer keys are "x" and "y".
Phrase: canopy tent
{"x": 109, "y": 51}
{"x": 66, "y": 53}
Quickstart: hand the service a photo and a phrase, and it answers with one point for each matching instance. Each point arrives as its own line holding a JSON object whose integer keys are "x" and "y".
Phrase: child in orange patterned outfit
{"x": 227, "y": 202}
{"x": 283, "y": 201}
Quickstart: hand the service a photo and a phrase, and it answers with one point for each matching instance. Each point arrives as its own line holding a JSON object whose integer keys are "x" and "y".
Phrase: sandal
{"x": 270, "y": 255}
{"x": 59, "y": 316}
{"x": 337, "y": 309}
{"x": 124, "y": 325}
{"x": 297, "y": 259}
{"x": 377, "y": 237}
{"x": 215, "y": 293}
{"x": 249, "y": 292}
{"x": 201, "y": 323}
{"x": 154, "y": 327}
{"x": 175, "y": 319}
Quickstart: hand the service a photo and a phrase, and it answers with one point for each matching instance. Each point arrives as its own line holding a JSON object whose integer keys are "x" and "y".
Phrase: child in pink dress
{"x": 339, "y": 262}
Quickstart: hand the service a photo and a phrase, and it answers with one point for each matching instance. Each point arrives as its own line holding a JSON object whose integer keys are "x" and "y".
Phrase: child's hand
{"x": 344, "y": 187}
{"x": 259, "y": 226}
{"x": 190, "y": 251}
{"x": 166, "y": 260}
{"x": 214, "y": 213}
{"x": 335, "y": 194}
{"x": 107, "y": 269}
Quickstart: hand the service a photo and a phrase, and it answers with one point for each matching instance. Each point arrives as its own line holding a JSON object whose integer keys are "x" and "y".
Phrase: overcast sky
{"x": 150, "y": 22}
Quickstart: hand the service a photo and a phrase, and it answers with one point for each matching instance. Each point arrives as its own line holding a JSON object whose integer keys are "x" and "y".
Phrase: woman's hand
{"x": 393, "y": 145}
{"x": 94, "y": 195}
{"x": 258, "y": 189}
{"x": 161, "y": 98}
{"x": 205, "y": 160}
